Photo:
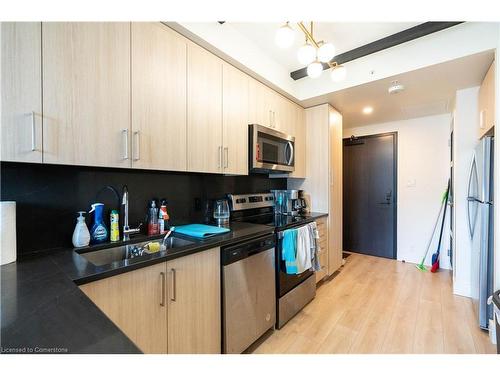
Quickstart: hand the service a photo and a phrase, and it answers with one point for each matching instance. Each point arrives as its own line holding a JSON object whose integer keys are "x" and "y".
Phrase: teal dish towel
{"x": 200, "y": 230}
{"x": 289, "y": 251}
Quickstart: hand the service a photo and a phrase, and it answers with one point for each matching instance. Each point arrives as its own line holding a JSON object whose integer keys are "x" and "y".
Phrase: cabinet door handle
{"x": 274, "y": 119}
{"x": 125, "y": 143}
{"x": 270, "y": 118}
{"x": 226, "y": 157}
{"x": 33, "y": 131}
{"x": 137, "y": 148}
{"x": 163, "y": 282}
{"x": 219, "y": 152}
{"x": 173, "y": 295}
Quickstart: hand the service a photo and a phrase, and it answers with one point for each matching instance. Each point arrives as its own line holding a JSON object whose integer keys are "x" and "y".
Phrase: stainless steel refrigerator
{"x": 480, "y": 219}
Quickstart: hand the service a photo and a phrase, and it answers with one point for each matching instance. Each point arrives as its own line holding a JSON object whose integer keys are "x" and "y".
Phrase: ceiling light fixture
{"x": 314, "y": 69}
{"x": 313, "y": 53}
{"x": 285, "y": 36}
{"x": 306, "y": 54}
{"x": 395, "y": 87}
{"x": 338, "y": 73}
{"x": 367, "y": 110}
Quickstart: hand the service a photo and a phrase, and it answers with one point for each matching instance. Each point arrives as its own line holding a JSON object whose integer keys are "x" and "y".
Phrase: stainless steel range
{"x": 293, "y": 292}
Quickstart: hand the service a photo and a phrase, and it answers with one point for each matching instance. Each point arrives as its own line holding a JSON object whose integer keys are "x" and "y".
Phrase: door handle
{"x": 33, "y": 131}
{"x": 173, "y": 294}
{"x": 137, "y": 148}
{"x": 163, "y": 282}
{"x": 226, "y": 157}
{"x": 125, "y": 143}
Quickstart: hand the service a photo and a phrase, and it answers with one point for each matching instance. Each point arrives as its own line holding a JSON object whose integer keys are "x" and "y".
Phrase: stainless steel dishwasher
{"x": 248, "y": 292}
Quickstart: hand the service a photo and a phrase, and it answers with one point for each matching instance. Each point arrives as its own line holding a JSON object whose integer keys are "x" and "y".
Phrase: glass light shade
{"x": 306, "y": 54}
{"x": 284, "y": 37}
{"x": 338, "y": 74}
{"x": 314, "y": 69}
{"x": 326, "y": 52}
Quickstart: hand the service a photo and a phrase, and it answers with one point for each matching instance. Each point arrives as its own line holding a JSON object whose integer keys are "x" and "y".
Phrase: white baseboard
{"x": 462, "y": 289}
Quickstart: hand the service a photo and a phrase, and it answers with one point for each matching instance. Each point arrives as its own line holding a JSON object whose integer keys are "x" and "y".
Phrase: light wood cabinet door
{"x": 136, "y": 302}
{"x": 260, "y": 104}
{"x": 235, "y": 121}
{"x": 159, "y": 80}
{"x": 204, "y": 131}
{"x": 335, "y": 199}
{"x": 299, "y": 126}
{"x": 322, "y": 225}
{"x": 86, "y": 93}
{"x": 486, "y": 102}
{"x": 194, "y": 315}
{"x": 21, "y": 91}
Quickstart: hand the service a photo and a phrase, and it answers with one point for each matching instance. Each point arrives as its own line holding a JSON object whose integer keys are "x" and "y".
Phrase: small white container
{"x": 8, "y": 243}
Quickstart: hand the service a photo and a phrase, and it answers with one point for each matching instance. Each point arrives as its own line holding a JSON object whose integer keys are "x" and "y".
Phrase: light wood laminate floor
{"x": 377, "y": 305}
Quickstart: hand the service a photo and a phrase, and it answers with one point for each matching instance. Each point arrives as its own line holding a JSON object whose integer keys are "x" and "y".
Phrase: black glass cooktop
{"x": 280, "y": 222}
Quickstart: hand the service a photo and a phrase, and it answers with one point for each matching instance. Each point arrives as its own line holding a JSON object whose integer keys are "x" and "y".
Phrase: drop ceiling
{"x": 428, "y": 91}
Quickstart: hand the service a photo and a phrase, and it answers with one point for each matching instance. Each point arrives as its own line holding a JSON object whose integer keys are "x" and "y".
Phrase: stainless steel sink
{"x": 132, "y": 251}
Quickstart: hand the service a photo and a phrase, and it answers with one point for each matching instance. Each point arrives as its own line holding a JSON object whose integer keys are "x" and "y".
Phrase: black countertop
{"x": 43, "y": 310}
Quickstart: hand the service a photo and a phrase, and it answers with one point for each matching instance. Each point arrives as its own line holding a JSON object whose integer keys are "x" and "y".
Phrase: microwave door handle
{"x": 289, "y": 146}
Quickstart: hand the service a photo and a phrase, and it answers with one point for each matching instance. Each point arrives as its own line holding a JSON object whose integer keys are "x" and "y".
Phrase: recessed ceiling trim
{"x": 404, "y": 36}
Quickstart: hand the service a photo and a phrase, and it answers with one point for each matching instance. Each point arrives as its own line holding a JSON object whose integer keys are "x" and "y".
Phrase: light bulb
{"x": 285, "y": 36}
{"x": 306, "y": 54}
{"x": 338, "y": 73}
{"x": 326, "y": 52}
{"x": 314, "y": 69}
{"x": 367, "y": 110}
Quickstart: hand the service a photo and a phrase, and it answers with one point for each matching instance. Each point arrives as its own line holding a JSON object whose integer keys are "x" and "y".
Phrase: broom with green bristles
{"x": 444, "y": 201}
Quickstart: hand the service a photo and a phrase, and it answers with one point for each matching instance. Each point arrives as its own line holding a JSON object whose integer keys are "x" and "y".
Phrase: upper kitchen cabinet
{"x": 86, "y": 93}
{"x": 235, "y": 121}
{"x": 487, "y": 102}
{"x": 299, "y": 132}
{"x": 21, "y": 89}
{"x": 158, "y": 136}
{"x": 204, "y": 115}
{"x": 260, "y": 102}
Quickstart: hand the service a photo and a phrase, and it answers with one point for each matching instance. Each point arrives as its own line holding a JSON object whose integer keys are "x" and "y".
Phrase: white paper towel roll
{"x": 8, "y": 232}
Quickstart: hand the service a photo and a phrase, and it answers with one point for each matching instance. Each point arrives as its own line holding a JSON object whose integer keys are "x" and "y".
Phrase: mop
{"x": 435, "y": 256}
{"x": 421, "y": 266}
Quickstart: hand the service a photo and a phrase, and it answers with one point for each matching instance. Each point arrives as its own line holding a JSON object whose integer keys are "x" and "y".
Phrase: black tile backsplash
{"x": 48, "y": 196}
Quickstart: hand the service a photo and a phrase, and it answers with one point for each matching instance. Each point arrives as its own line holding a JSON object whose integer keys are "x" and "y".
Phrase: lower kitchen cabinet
{"x": 322, "y": 224}
{"x": 194, "y": 303}
{"x": 171, "y": 307}
{"x": 135, "y": 301}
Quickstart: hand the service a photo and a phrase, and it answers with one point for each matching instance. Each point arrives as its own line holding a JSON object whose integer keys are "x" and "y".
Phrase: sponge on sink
{"x": 153, "y": 247}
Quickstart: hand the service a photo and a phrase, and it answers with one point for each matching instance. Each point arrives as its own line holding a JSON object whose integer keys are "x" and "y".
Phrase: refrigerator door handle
{"x": 471, "y": 199}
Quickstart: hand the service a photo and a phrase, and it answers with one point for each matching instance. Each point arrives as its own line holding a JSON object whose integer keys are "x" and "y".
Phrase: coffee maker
{"x": 288, "y": 202}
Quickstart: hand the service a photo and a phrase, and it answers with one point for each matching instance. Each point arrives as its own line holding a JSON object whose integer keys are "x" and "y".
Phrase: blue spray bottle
{"x": 98, "y": 232}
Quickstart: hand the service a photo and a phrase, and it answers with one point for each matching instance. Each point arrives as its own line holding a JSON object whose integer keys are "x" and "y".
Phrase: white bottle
{"x": 81, "y": 235}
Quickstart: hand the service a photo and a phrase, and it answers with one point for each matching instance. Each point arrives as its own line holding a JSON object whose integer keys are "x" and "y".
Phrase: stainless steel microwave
{"x": 270, "y": 151}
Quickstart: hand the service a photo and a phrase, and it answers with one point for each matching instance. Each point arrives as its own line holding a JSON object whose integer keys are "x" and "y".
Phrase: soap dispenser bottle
{"x": 81, "y": 235}
{"x": 98, "y": 232}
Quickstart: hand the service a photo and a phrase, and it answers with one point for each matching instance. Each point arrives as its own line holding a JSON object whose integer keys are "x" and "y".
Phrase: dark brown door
{"x": 370, "y": 195}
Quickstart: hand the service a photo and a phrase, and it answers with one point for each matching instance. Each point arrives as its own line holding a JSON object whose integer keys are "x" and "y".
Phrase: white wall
{"x": 423, "y": 171}
{"x": 465, "y": 134}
